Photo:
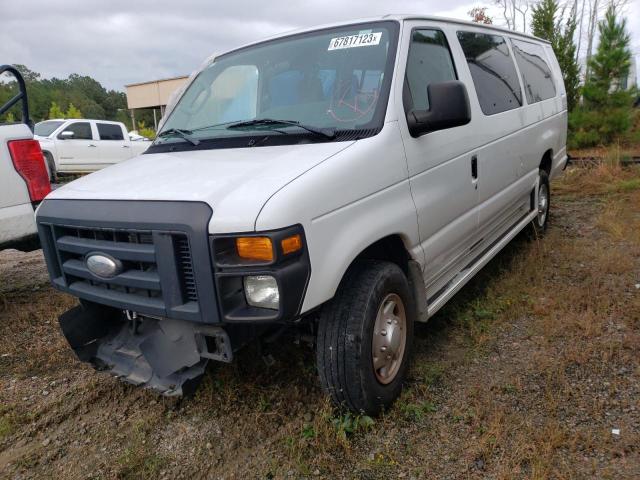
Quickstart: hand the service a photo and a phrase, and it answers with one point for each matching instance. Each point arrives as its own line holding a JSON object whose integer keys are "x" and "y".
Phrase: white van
{"x": 23, "y": 176}
{"x": 347, "y": 179}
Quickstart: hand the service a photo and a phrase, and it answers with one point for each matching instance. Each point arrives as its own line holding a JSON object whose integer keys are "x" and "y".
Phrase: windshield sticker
{"x": 353, "y": 41}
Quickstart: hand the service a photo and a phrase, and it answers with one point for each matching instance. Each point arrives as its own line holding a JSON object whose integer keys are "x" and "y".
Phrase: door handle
{"x": 92, "y": 145}
{"x": 474, "y": 167}
{"x": 125, "y": 146}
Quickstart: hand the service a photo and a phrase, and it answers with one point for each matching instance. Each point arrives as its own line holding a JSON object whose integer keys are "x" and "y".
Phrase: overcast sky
{"x": 120, "y": 42}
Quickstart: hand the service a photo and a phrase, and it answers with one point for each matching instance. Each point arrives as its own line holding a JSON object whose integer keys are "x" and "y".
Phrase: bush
{"x": 591, "y": 128}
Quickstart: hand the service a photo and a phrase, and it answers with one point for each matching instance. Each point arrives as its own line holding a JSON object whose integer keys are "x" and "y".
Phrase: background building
{"x": 152, "y": 95}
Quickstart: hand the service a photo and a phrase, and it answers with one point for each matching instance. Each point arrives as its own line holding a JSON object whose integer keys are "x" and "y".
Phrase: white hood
{"x": 236, "y": 183}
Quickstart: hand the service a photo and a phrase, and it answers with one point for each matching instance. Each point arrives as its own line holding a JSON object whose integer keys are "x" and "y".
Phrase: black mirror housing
{"x": 449, "y": 107}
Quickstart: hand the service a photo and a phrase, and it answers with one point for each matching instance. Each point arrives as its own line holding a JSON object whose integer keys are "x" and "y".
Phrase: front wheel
{"x": 51, "y": 166}
{"x": 364, "y": 338}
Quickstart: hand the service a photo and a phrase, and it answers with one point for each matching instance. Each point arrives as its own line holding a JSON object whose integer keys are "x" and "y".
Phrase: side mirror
{"x": 449, "y": 107}
{"x": 66, "y": 135}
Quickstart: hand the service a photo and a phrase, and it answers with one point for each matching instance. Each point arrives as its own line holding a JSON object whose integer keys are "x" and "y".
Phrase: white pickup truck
{"x": 23, "y": 176}
{"x": 82, "y": 146}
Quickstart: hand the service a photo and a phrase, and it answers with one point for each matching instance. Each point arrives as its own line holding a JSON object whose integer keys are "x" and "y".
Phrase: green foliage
{"x": 417, "y": 411}
{"x": 73, "y": 112}
{"x": 606, "y": 113}
{"x": 84, "y": 93}
{"x": 145, "y": 131}
{"x": 543, "y": 20}
{"x": 547, "y": 23}
{"x": 10, "y": 118}
{"x": 349, "y": 424}
{"x": 55, "y": 111}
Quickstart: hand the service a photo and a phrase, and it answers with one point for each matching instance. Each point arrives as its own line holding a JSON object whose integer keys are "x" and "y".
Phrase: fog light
{"x": 262, "y": 291}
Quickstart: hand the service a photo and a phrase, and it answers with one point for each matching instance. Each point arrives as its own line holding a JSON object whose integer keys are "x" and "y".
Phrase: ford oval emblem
{"x": 103, "y": 265}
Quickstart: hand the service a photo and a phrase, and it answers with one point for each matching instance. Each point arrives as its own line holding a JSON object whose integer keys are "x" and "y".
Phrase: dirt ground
{"x": 532, "y": 371}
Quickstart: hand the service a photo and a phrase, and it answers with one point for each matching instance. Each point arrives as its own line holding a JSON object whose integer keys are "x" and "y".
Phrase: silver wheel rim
{"x": 543, "y": 204}
{"x": 389, "y": 338}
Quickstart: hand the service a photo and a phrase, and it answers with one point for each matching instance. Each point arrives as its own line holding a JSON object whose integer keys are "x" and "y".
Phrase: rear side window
{"x": 429, "y": 62}
{"x": 535, "y": 71}
{"x": 109, "y": 131}
{"x": 493, "y": 71}
{"x": 81, "y": 130}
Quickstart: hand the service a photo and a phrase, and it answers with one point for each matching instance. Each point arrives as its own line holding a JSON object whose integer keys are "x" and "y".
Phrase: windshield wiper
{"x": 184, "y": 134}
{"x": 258, "y": 122}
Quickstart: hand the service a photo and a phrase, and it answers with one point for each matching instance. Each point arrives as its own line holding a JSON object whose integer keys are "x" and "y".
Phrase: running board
{"x": 465, "y": 275}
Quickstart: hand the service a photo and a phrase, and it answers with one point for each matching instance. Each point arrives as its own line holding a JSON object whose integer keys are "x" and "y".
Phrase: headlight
{"x": 262, "y": 291}
{"x": 261, "y": 276}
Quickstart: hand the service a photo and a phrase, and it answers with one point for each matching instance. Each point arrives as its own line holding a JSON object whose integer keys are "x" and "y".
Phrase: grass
{"x": 522, "y": 376}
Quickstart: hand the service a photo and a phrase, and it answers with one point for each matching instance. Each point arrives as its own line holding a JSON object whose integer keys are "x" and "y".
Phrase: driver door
{"x": 80, "y": 152}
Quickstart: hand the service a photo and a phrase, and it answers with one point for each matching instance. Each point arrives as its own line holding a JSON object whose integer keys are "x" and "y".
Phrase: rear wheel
{"x": 364, "y": 338}
{"x": 543, "y": 205}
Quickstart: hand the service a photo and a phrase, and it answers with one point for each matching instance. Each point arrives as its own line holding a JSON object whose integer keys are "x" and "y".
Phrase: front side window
{"x": 336, "y": 79}
{"x": 44, "y": 129}
{"x": 534, "y": 70}
{"x": 109, "y": 131}
{"x": 429, "y": 61}
{"x": 81, "y": 130}
{"x": 493, "y": 71}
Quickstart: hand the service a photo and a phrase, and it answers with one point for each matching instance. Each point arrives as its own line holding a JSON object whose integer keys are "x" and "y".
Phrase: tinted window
{"x": 81, "y": 130}
{"x": 493, "y": 71}
{"x": 535, "y": 72}
{"x": 44, "y": 129}
{"x": 429, "y": 62}
{"x": 109, "y": 131}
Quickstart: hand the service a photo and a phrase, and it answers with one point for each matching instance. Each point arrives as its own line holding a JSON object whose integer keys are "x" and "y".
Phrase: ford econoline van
{"x": 348, "y": 179}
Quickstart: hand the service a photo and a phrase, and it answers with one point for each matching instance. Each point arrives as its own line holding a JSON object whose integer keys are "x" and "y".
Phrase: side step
{"x": 465, "y": 275}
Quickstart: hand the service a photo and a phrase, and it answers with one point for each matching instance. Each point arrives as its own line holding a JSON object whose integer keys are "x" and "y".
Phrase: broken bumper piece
{"x": 166, "y": 355}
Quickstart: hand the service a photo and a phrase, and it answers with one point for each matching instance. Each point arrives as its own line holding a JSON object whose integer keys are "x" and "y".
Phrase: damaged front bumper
{"x": 166, "y": 355}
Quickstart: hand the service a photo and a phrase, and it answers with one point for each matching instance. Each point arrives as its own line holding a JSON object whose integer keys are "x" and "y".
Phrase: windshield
{"x": 44, "y": 129}
{"x": 335, "y": 79}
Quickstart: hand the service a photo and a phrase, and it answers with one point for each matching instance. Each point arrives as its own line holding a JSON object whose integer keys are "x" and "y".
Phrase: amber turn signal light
{"x": 291, "y": 244}
{"x": 255, "y": 248}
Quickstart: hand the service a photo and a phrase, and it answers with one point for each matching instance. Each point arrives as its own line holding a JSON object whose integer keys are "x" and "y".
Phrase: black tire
{"x": 51, "y": 165}
{"x": 539, "y": 224}
{"x": 345, "y": 336}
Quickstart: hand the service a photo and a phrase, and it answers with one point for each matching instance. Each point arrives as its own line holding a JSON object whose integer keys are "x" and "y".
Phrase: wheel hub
{"x": 543, "y": 204}
{"x": 389, "y": 338}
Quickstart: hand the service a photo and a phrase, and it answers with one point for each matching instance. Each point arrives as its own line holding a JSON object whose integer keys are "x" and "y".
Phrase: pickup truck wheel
{"x": 51, "y": 165}
{"x": 364, "y": 337}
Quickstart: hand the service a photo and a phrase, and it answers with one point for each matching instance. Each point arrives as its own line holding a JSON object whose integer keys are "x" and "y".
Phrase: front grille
{"x": 185, "y": 267}
{"x": 150, "y": 282}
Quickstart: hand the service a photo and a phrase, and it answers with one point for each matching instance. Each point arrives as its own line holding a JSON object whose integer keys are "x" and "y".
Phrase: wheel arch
{"x": 393, "y": 248}
{"x": 546, "y": 161}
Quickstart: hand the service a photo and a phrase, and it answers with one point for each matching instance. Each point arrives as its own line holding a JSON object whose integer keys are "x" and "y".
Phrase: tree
{"x": 73, "y": 112}
{"x": 543, "y": 20}
{"x": 55, "y": 111}
{"x": 607, "y": 109}
{"x": 610, "y": 65}
{"x": 547, "y": 23}
{"x": 479, "y": 15}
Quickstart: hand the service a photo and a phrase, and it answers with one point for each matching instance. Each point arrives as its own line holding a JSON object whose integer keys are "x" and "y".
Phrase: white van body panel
{"x": 17, "y": 219}
{"x": 348, "y": 195}
{"x": 345, "y": 204}
{"x": 235, "y": 183}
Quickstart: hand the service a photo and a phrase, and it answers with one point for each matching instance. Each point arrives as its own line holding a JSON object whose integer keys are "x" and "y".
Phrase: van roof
{"x": 396, "y": 17}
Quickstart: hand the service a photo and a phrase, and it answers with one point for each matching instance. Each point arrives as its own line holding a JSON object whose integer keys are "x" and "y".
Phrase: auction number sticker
{"x": 353, "y": 41}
